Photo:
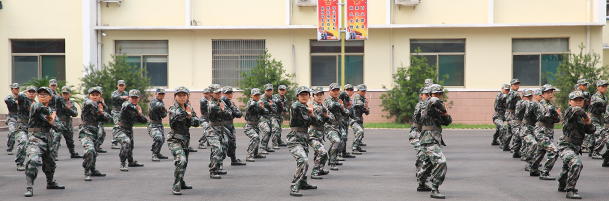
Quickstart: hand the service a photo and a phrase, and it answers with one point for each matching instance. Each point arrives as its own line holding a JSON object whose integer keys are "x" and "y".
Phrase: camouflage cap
{"x": 547, "y": 87}
{"x": 101, "y": 89}
{"x": 53, "y": 82}
{"x": 160, "y": 90}
{"x": 527, "y": 92}
{"x": 576, "y": 94}
{"x": 428, "y": 82}
{"x": 31, "y": 88}
{"x": 424, "y": 90}
{"x": 505, "y": 86}
{"x": 514, "y": 81}
{"x": 215, "y": 88}
{"x": 348, "y": 86}
{"x": 47, "y": 89}
{"x": 66, "y": 89}
{"x": 206, "y": 90}
{"x": 436, "y": 88}
{"x": 582, "y": 82}
{"x": 227, "y": 89}
{"x": 134, "y": 93}
{"x": 268, "y": 87}
{"x": 182, "y": 89}
{"x": 282, "y": 87}
{"x": 120, "y": 82}
{"x": 94, "y": 89}
{"x": 576, "y": 87}
{"x": 14, "y": 86}
{"x": 255, "y": 91}
{"x": 601, "y": 83}
{"x": 362, "y": 87}
{"x": 302, "y": 89}
{"x": 334, "y": 86}
{"x": 537, "y": 92}
{"x": 317, "y": 90}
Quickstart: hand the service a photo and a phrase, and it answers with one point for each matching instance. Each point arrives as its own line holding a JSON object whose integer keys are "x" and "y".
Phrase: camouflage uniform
{"x": 547, "y": 116}
{"x": 569, "y": 146}
{"x": 117, "y": 104}
{"x": 11, "y": 119}
{"x": 597, "y": 108}
{"x": 332, "y": 132}
{"x": 316, "y": 135}
{"x": 88, "y": 131}
{"x": 253, "y": 113}
{"x": 124, "y": 132}
{"x": 344, "y": 127}
{"x": 64, "y": 120}
{"x": 178, "y": 138}
{"x": 499, "y": 116}
{"x": 516, "y": 142}
{"x": 204, "y": 120}
{"x": 157, "y": 112}
{"x": 267, "y": 122}
{"x": 528, "y": 132}
{"x": 413, "y": 137}
{"x": 587, "y": 99}
{"x": 510, "y": 116}
{"x": 228, "y": 124}
{"x": 431, "y": 139}
{"x": 101, "y": 135}
{"x": 281, "y": 102}
{"x": 605, "y": 133}
{"x": 357, "y": 121}
{"x": 23, "y": 116}
{"x": 216, "y": 131}
{"x": 298, "y": 141}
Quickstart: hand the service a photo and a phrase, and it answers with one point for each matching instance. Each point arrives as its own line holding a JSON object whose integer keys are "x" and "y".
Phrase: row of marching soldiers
{"x": 525, "y": 126}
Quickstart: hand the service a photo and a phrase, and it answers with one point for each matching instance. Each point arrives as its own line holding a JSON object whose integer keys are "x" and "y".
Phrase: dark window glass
{"x": 437, "y": 45}
{"x": 549, "y": 64}
{"x": 24, "y": 68}
{"x": 526, "y": 68}
{"x": 54, "y": 66}
{"x": 334, "y": 46}
{"x": 323, "y": 70}
{"x": 354, "y": 70}
{"x": 157, "y": 69}
{"x": 452, "y": 65}
{"x": 38, "y": 46}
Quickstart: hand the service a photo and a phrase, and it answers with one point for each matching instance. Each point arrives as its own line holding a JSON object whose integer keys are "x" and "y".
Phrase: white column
{"x": 188, "y": 12}
{"x": 89, "y": 38}
{"x": 491, "y": 11}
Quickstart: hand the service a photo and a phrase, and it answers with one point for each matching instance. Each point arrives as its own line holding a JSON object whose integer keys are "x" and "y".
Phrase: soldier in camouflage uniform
{"x": 118, "y": 98}
{"x": 333, "y": 133}
{"x": 254, "y": 109}
{"x": 52, "y": 106}
{"x": 360, "y": 107}
{"x": 547, "y": 116}
{"x": 204, "y": 118}
{"x": 301, "y": 118}
{"x": 282, "y": 108}
{"x": 216, "y": 132}
{"x": 129, "y": 114}
{"x": 606, "y": 136}
{"x": 434, "y": 116}
{"x": 66, "y": 109}
{"x": 510, "y": 103}
{"x": 575, "y": 125}
{"x": 92, "y": 114}
{"x": 582, "y": 85}
{"x": 345, "y": 96}
{"x": 101, "y": 136}
{"x": 527, "y": 131}
{"x": 181, "y": 118}
{"x": 40, "y": 142}
{"x": 516, "y": 142}
{"x": 499, "y": 116}
{"x": 157, "y": 112}
{"x": 316, "y": 134}
{"x": 414, "y": 135}
{"x": 227, "y": 98}
{"x": 267, "y": 122}
{"x": 24, "y": 101}
{"x": 11, "y": 119}
{"x": 597, "y": 108}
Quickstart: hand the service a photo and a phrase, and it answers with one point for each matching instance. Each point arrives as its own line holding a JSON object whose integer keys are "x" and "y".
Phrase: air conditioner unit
{"x": 407, "y": 2}
{"x": 112, "y": 1}
{"x": 306, "y": 3}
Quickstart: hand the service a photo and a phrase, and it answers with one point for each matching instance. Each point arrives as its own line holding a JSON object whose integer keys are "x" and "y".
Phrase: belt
{"x": 596, "y": 116}
{"x": 89, "y": 123}
{"x": 299, "y": 129}
{"x": 336, "y": 122}
{"x": 175, "y": 131}
{"x": 571, "y": 140}
{"x": 502, "y": 114}
{"x": 125, "y": 125}
{"x": 204, "y": 115}
{"x": 156, "y": 121}
{"x": 320, "y": 128}
{"x": 512, "y": 111}
{"x": 66, "y": 119}
{"x": 116, "y": 109}
{"x": 228, "y": 122}
{"x": 432, "y": 128}
{"x": 217, "y": 123}
{"x": 528, "y": 122}
{"x": 44, "y": 130}
{"x": 12, "y": 112}
{"x": 416, "y": 125}
{"x": 518, "y": 121}
{"x": 252, "y": 122}
{"x": 550, "y": 126}
{"x": 23, "y": 121}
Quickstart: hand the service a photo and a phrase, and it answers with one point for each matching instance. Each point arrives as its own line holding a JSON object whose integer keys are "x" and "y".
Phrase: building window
{"x": 326, "y": 59}
{"x": 447, "y": 54}
{"x": 38, "y": 58}
{"x": 232, "y": 57}
{"x": 150, "y": 54}
{"x": 534, "y": 59}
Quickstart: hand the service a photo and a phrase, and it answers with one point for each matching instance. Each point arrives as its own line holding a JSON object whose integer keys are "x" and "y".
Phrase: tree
{"x": 266, "y": 71}
{"x": 44, "y": 82}
{"x": 400, "y": 101}
{"x": 573, "y": 68}
{"x": 108, "y": 76}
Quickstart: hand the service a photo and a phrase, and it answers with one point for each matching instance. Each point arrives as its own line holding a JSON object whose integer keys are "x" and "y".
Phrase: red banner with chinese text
{"x": 328, "y": 20}
{"x": 357, "y": 19}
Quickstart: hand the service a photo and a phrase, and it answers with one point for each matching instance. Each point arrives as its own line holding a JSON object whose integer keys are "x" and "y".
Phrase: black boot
{"x": 54, "y": 185}
{"x": 423, "y": 187}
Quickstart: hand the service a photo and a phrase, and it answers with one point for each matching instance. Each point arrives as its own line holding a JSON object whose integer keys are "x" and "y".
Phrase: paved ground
{"x": 476, "y": 171}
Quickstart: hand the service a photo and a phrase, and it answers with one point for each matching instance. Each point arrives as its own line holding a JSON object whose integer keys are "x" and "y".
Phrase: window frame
{"x": 338, "y": 73}
{"x": 143, "y": 55}
{"x": 536, "y": 53}
{"x": 240, "y": 56}
{"x": 39, "y": 55}
{"x": 438, "y": 54}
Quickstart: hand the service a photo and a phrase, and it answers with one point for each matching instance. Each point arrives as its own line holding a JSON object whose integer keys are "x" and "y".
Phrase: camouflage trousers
{"x": 530, "y": 143}
{"x": 571, "y": 168}
{"x": 265, "y": 132}
{"x": 433, "y": 165}
{"x": 321, "y": 155}
{"x": 597, "y": 139}
{"x": 413, "y": 136}
{"x": 422, "y": 165}
{"x": 501, "y": 129}
{"x": 358, "y": 132}
{"x": 115, "y": 116}
{"x": 332, "y": 133}
{"x": 215, "y": 135}
{"x": 21, "y": 138}
{"x": 252, "y": 131}
{"x": 516, "y": 141}
{"x": 12, "y": 132}
{"x": 88, "y": 138}
{"x": 344, "y": 134}
{"x": 507, "y": 138}
{"x": 157, "y": 133}
{"x": 178, "y": 145}
{"x": 231, "y": 141}
{"x": 546, "y": 146}
{"x": 39, "y": 153}
{"x": 101, "y": 136}
{"x": 299, "y": 148}
{"x": 124, "y": 136}
{"x": 276, "y": 130}
{"x": 65, "y": 130}
{"x": 203, "y": 139}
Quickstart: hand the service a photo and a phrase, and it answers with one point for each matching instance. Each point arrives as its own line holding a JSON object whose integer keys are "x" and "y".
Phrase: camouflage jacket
{"x": 62, "y": 111}
{"x": 346, "y": 99}
{"x": 178, "y": 121}
{"x": 511, "y": 99}
{"x": 235, "y": 111}
{"x": 336, "y": 110}
{"x": 38, "y": 118}
{"x": 299, "y": 117}
{"x": 271, "y": 108}
{"x": 11, "y": 104}
{"x": 117, "y": 99}
{"x": 416, "y": 117}
{"x": 319, "y": 110}
{"x": 281, "y": 104}
{"x": 587, "y": 98}
{"x": 606, "y": 116}
{"x": 24, "y": 106}
{"x": 203, "y": 109}
{"x": 547, "y": 113}
{"x": 129, "y": 115}
{"x": 574, "y": 127}
{"x": 432, "y": 117}
{"x": 253, "y": 110}
{"x": 499, "y": 105}
{"x": 520, "y": 109}
{"x": 90, "y": 113}
{"x": 216, "y": 114}
{"x": 598, "y": 104}
{"x": 156, "y": 110}
{"x": 530, "y": 112}
{"x": 53, "y": 104}
{"x": 358, "y": 109}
